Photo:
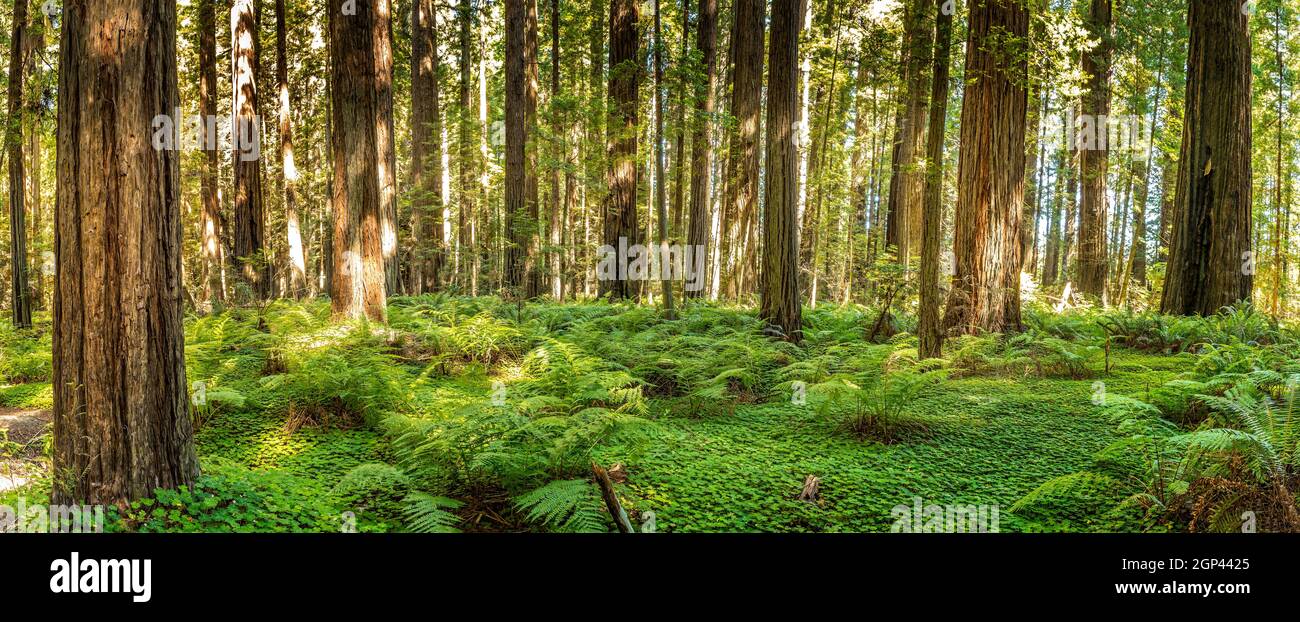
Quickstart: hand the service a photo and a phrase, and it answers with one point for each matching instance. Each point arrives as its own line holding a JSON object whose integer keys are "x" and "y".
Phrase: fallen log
{"x": 611, "y": 499}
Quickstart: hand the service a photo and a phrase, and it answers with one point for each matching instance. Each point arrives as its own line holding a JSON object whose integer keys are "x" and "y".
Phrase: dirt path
{"x": 21, "y": 447}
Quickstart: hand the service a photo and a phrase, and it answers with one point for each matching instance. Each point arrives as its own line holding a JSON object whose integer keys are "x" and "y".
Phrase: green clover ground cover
{"x": 298, "y": 431}
{"x": 991, "y": 440}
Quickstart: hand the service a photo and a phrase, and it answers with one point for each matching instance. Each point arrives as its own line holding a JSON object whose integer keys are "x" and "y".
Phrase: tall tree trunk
{"x": 907, "y": 188}
{"x": 697, "y": 238}
{"x": 213, "y": 266}
{"x": 533, "y": 260}
{"x": 426, "y": 262}
{"x": 1210, "y": 260}
{"x": 19, "y": 295}
{"x": 859, "y": 189}
{"x": 250, "y": 209}
{"x": 1138, "y": 263}
{"x": 812, "y": 222}
{"x": 594, "y": 195}
{"x": 620, "y": 211}
{"x": 661, "y": 192}
{"x": 484, "y": 228}
{"x": 1278, "y": 295}
{"x": 1033, "y": 175}
{"x": 1094, "y": 154}
{"x": 521, "y": 176}
{"x": 358, "y": 283}
{"x": 288, "y": 169}
{"x": 33, "y": 44}
{"x": 465, "y": 161}
{"x": 930, "y": 330}
{"x": 1071, "y": 226}
{"x": 1052, "y": 253}
{"x": 985, "y": 293}
{"x": 559, "y": 154}
{"x": 122, "y": 425}
{"x": 780, "y": 276}
{"x": 385, "y": 147}
{"x": 679, "y": 226}
{"x": 740, "y": 206}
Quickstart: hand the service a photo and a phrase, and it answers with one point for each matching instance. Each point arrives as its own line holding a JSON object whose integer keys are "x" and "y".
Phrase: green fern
{"x": 571, "y": 505}
{"x": 427, "y": 513}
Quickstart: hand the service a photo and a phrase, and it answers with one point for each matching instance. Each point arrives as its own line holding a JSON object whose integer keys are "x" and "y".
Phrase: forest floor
{"x": 990, "y": 441}
{"x": 22, "y": 432}
{"x": 288, "y": 441}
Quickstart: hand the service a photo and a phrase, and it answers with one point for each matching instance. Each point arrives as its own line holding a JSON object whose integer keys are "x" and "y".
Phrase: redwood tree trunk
{"x": 661, "y": 192}
{"x": 1094, "y": 154}
{"x": 121, "y": 411}
{"x": 1052, "y": 255}
{"x": 426, "y": 151}
{"x": 1210, "y": 244}
{"x": 930, "y": 330}
{"x": 466, "y": 163}
{"x": 21, "y": 302}
{"x": 620, "y": 226}
{"x": 740, "y": 203}
{"x": 907, "y": 186}
{"x": 288, "y": 170}
{"x": 250, "y": 212}
{"x": 213, "y": 266}
{"x": 701, "y": 141}
{"x": 357, "y": 285}
{"x": 780, "y": 276}
{"x": 382, "y": 39}
{"x": 985, "y": 293}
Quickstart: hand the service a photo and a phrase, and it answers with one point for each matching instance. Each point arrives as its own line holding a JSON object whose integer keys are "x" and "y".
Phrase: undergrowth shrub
{"x": 25, "y": 353}
{"x": 875, "y": 405}
{"x": 1237, "y": 461}
{"x": 1024, "y": 354}
{"x": 375, "y": 492}
{"x": 337, "y": 376}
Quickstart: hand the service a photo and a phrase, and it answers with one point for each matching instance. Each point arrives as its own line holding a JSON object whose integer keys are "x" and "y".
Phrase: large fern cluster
{"x": 1221, "y": 448}
{"x": 341, "y": 374}
{"x": 1024, "y": 354}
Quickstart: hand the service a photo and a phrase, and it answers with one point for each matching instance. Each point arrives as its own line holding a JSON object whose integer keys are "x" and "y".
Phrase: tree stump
{"x": 811, "y": 489}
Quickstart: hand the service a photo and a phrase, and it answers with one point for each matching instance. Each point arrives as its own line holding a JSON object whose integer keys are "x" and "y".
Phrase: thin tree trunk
{"x": 560, "y": 153}
{"x": 930, "y": 330}
{"x": 465, "y": 162}
{"x": 678, "y": 225}
{"x": 1278, "y": 232}
{"x": 213, "y": 266}
{"x": 21, "y": 306}
{"x": 289, "y": 171}
{"x": 661, "y": 192}
{"x": 33, "y": 43}
{"x": 907, "y": 186}
{"x": 593, "y": 190}
{"x": 1052, "y": 253}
